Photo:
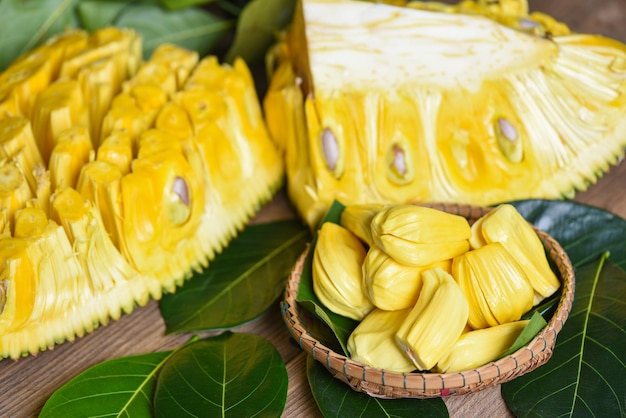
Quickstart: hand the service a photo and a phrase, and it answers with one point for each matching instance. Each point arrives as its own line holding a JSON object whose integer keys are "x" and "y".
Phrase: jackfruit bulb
{"x": 479, "y": 103}
{"x": 119, "y": 178}
{"x": 456, "y": 309}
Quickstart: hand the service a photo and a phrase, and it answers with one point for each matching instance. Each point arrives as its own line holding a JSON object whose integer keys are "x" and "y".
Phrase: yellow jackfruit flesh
{"x": 113, "y": 283}
{"x": 390, "y": 285}
{"x": 358, "y": 218}
{"x": 478, "y": 347}
{"x": 494, "y": 283}
{"x": 506, "y": 226}
{"x": 48, "y": 272}
{"x": 117, "y": 149}
{"x": 337, "y": 274}
{"x": 480, "y": 103}
{"x": 451, "y": 315}
{"x": 436, "y": 321}
{"x": 71, "y": 152}
{"x": 373, "y": 341}
{"x": 418, "y": 235}
{"x": 14, "y": 190}
{"x": 120, "y": 177}
{"x": 18, "y": 144}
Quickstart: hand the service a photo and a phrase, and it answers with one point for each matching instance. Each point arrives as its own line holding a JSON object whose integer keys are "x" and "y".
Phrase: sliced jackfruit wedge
{"x": 479, "y": 102}
{"x": 119, "y": 179}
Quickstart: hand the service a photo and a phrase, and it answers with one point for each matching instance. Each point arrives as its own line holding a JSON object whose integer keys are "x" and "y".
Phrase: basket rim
{"x": 391, "y": 384}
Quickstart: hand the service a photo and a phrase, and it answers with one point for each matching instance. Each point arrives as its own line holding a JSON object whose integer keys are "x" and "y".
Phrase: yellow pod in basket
{"x": 507, "y": 226}
{"x": 478, "y": 347}
{"x": 337, "y": 275}
{"x": 391, "y": 285}
{"x": 418, "y": 236}
{"x": 358, "y": 219}
{"x": 495, "y": 285}
{"x": 436, "y": 321}
{"x": 373, "y": 341}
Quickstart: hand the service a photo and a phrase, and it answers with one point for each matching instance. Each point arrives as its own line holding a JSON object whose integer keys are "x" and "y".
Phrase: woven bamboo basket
{"x": 387, "y": 384}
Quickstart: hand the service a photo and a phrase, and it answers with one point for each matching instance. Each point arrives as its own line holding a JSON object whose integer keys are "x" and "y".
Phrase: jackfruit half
{"x": 119, "y": 178}
{"x": 480, "y": 103}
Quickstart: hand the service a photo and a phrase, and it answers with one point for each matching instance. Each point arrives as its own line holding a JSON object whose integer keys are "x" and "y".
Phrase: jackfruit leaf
{"x": 119, "y": 387}
{"x": 238, "y": 373}
{"x": 25, "y": 24}
{"x": 191, "y": 28}
{"x": 181, "y": 4}
{"x": 592, "y": 338}
{"x": 340, "y": 326}
{"x": 546, "y": 307}
{"x": 585, "y": 376}
{"x": 241, "y": 283}
{"x": 96, "y": 14}
{"x": 258, "y": 27}
{"x": 231, "y": 375}
{"x": 536, "y": 324}
{"x": 336, "y": 399}
{"x": 585, "y": 232}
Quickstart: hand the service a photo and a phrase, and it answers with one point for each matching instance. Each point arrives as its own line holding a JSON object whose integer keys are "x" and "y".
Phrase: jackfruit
{"x": 506, "y": 225}
{"x": 418, "y": 235}
{"x": 358, "y": 220}
{"x": 477, "y": 103}
{"x": 478, "y": 347}
{"x": 390, "y": 285}
{"x": 373, "y": 341}
{"x": 119, "y": 178}
{"x": 494, "y": 283}
{"x": 451, "y": 315}
{"x": 436, "y": 322}
{"x": 337, "y": 272}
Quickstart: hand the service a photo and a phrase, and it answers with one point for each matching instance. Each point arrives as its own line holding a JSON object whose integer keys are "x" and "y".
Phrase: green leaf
{"x": 232, "y": 7}
{"x": 568, "y": 380}
{"x": 340, "y": 326}
{"x": 336, "y": 399}
{"x": 120, "y": 387}
{"x": 584, "y": 232}
{"x": 190, "y": 28}
{"x": 96, "y": 14}
{"x": 585, "y": 376}
{"x": 546, "y": 308}
{"x": 26, "y": 24}
{"x": 536, "y": 324}
{"x": 258, "y": 27}
{"x": 181, "y": 4}
{"x": 241, "y": 283}
{"x": 232, "y": 375}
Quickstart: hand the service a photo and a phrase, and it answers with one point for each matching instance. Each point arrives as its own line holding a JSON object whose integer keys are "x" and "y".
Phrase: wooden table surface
{"x": 26, "y": 384}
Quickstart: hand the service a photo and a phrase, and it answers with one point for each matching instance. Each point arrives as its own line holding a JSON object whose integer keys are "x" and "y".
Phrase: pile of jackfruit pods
{"x": 431, "y": 291}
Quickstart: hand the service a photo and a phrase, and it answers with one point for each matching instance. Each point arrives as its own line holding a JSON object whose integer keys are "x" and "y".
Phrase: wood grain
{"x": 27, "y": 383}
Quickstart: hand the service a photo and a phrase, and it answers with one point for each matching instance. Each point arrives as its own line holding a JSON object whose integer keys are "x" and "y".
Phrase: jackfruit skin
{"x": 540, "y": 115}
{"x": 123, "y": 177}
